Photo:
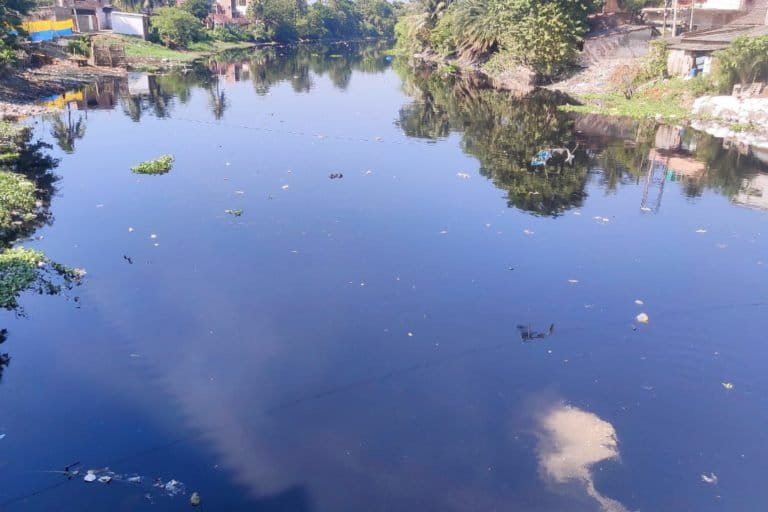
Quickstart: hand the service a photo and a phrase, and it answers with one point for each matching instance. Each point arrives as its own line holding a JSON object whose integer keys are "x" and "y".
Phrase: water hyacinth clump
{"x": 160, "y": 165}
{"x": 23, "y": 269}
{"x": 18, "y": 201}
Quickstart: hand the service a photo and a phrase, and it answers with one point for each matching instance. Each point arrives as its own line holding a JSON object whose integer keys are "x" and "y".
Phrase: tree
{"x": 11, "y": 14}
{"x": 745, "y": 61}
{"x": 197, "y": 8}
{"x": 175, "y": 27}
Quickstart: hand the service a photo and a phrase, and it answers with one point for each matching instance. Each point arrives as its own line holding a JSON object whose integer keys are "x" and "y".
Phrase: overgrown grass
{"x": 138, "y": 49}
{"x": 160, "y": 165}
{"x": 663, "y": 100}
{"x": 23, "y": 269}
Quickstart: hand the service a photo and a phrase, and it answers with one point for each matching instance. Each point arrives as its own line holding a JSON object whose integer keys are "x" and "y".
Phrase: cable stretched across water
{"x": 426, "y": 364}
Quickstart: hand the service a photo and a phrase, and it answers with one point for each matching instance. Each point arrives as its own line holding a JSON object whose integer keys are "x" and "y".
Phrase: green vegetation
{"x": 24, "y": 269}
{"x": 669, "y": 100}
{"x": 11, "y": 14}
{"x": 197, "y": 8}
{"x": 176, "y": 28}
{"x": 294, "y": 20}
{"x": 26, "y": 187}
{"x": 161, "y": 165}
{"x": 17, "y": 200}
{"x": 541, "y": 35}
{"x": 80, "y": 46}
{"x": 503, "y": 132}
{"x": 139, "y": 51}
{"x": 744, "y": 62}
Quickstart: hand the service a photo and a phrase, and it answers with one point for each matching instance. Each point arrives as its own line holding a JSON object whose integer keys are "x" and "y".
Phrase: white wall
{"x": 128, "y": 23}
{"x": 733, "y": 5}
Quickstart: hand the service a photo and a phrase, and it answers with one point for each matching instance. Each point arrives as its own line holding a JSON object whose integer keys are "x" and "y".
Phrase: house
{"x": 701, "y": 14}
{"x": 89, "y": 15}
{"x": 226, "y": 12}
{"x": 692, "y": 52}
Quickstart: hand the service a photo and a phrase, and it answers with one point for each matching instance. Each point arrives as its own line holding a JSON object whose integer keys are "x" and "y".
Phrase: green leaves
{"x": 23, "y": 269}
{"x": 543, "y": 35}
{"x": 745, "y": 61}
{"x": 160, "y": 165}
{"x": 176, "y": 28}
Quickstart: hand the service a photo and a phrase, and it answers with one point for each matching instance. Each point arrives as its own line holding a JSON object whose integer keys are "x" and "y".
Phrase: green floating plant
{"x": 23, "y": 269}
{"x": 159, "y": 165}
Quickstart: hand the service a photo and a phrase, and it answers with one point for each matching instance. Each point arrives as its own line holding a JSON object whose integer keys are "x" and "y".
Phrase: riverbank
{"x": 145, "y": 55}
{"x": 22, "y": 91}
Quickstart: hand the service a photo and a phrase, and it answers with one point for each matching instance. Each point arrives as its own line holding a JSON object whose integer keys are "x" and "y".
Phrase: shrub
{"x": 745, "y": 61}
{"x": 230, "y": 34}
{"x": 176, "y": 28}
{"x": 79, "y": 46}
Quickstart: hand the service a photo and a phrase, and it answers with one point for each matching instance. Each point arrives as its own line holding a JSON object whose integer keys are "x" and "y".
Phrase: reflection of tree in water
{"x": 28, "y": 184}
{"x": 295, "y": 64}
{"x": 504, "y": 132}
{"x": 163, "y": 92}
{"x": 30, "y": 162}
{"x": 5, "y": 359}
{"x": 66, "y": 129}
{"x": 216, "y": 98}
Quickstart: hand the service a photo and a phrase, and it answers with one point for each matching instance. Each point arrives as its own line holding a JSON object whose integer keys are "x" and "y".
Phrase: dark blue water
{"x": 353, "y": 343}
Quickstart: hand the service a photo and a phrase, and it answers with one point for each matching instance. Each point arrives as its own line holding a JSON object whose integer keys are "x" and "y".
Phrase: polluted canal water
{"x": 352, "y": 290}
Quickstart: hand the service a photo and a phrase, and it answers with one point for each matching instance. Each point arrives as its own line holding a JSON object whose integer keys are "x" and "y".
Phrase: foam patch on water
{"x": 571, "y": 441}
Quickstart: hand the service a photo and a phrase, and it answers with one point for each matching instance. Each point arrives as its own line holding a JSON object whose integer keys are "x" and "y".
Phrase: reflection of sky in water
{"x": 571, "y": 442}
{"x": 265, "y": 361}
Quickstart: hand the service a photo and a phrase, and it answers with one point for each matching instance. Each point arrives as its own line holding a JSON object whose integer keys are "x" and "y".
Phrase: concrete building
{"x": 693, "y": 50}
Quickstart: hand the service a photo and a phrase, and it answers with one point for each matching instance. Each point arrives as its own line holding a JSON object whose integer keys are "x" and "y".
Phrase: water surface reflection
{"x": 350, "y": 344}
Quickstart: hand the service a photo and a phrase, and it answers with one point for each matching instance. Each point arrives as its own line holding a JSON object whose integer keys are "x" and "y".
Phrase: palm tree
{"x": 67, "y": 132}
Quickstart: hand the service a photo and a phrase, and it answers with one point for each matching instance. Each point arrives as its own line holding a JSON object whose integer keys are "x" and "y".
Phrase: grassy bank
{"x": 138, "y": 50}
{"x": 666, "y": 100}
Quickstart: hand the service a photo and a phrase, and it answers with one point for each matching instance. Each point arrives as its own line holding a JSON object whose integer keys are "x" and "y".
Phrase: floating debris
{"x": 172, "y": 487}
{"x": 239, "y": 192}
{"x": 194, "y": 500}
{"x": 643, "y": 318}
{"x": 236, "y": 212}
{"x": 710, "y": 479}
{"x": 130, "y": 230}
{"x": 128, "y": 259}
{"x": 528, "y": 232}
{"x": 444, "y": 232}
{"x": 528, "y": 334}
{"x": 335, "y": 175}
{"x": 727, "y": 385}
{"x": 639, "y": 302}
{"x": 153, "y": 236}
{"x": 90, "y": 476}
{"x": 105, "y": 479}
{"x": 700, "y": 230}
{"x": 285, "y": 187}
{"x": 602, "y": 220}
{"x": 573, "y": 281}
{"x": 2, "y": 436}
{"x": 410, "y": 334}
{"x": 462, "y": 175}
